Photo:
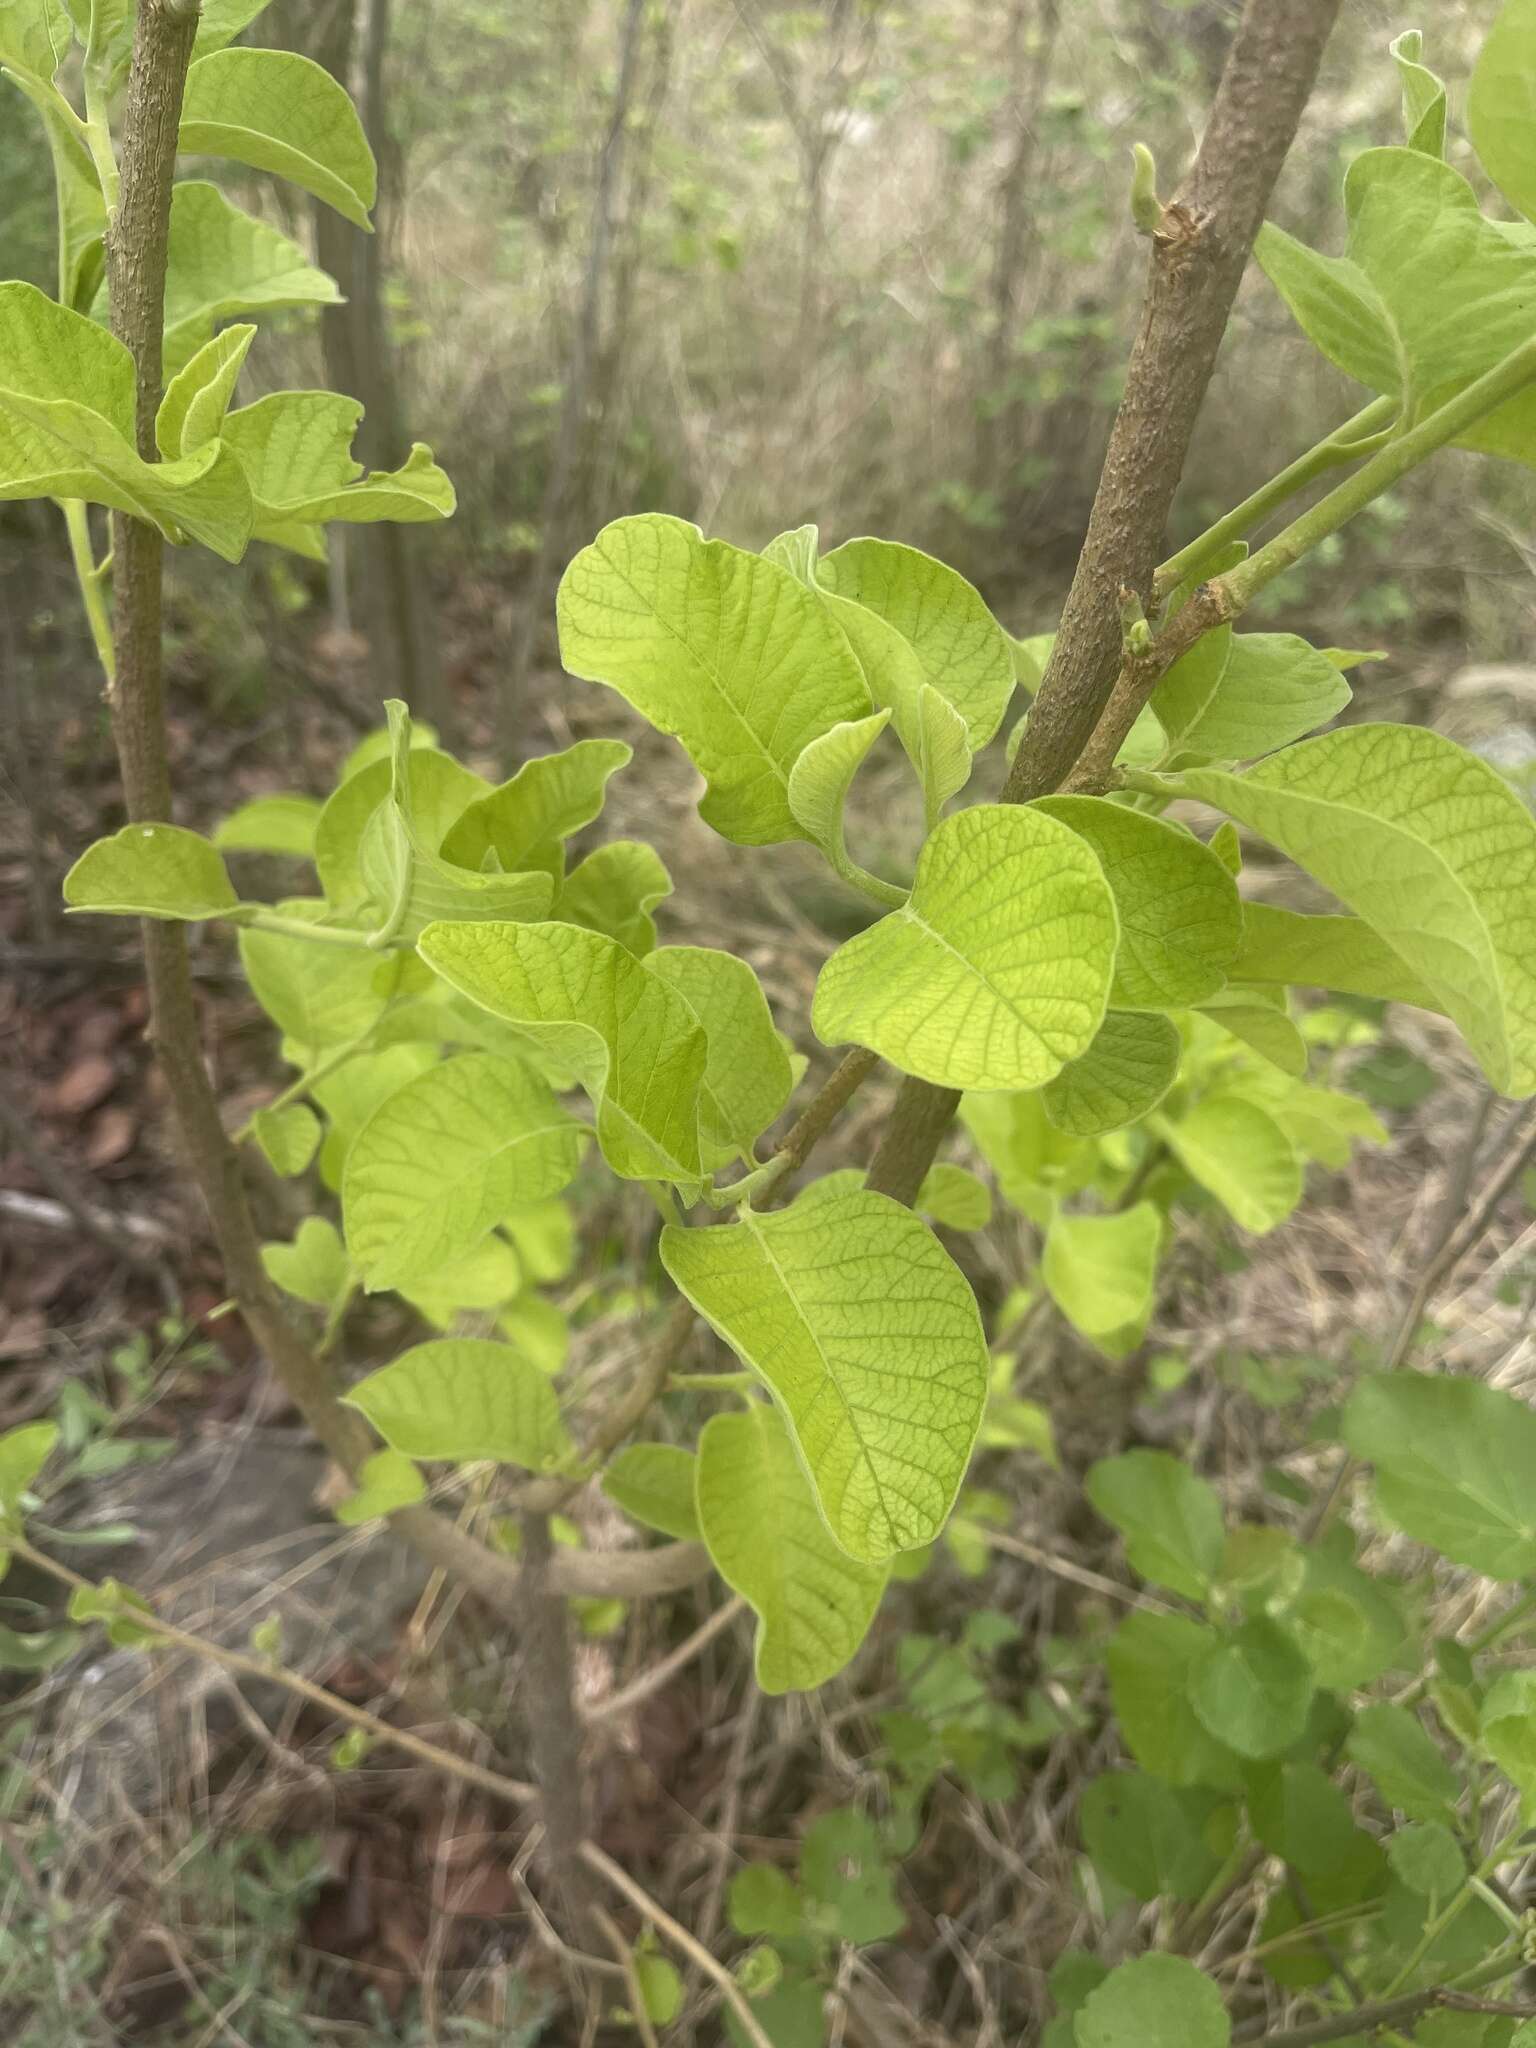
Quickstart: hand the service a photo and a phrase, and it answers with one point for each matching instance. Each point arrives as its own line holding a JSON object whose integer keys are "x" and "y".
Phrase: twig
{"x": 819, "y": 1114}
{"x": 662, "y": 1672}
{"x": 549, "y": 1717}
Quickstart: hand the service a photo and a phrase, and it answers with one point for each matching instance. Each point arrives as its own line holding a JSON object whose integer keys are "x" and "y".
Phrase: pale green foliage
{"x": 1251, "y": 693}
{"x": 1240, "y": 1154}
{"x": 440, "y": 790}
{"x": 1154, "y": 2002}
{"x": 1455, "y": 1466}
{"x": 614, "y": 890}
{"x": 271, "y": 824}
{"x": 1126, "y": 1071}
{"x": 223, "y": 264}
{"x": 655, "y": 1483}
{"x": 955, "y": 1197}
{"x": 439, "y": 1164}
{"x": 1286, "y": 947}
{"x": 997, "y": 969}
{"x": 280, "y": 112}
{"x": 819, "y": 784}
{"x": 526, "y": 821}
{"x": 151, "y": 871}
{"x": 1252, "y": 1689}
{"x": 1501, "y": 105}
{"x": 197, "y": 398}
{"x": 721, "y": 648}
{"x": 1171, "y": 1520}
{"x": 1433, "y": 849}
{"x": 317, "y": 994}
{"x": 464, "y": 1398}
{"x": 813, "y": 1601}
{"x": 1424, "y": 107}
{"x": 867, "y": 1334}
{"x": 388, "y": 1480}
{"x": 747, "y": 1077}
{"x": 1101, "y": 1271}
{"x": 23, "y": 1454}
{"x": 314, "y": 1267}
{"x": 289, "y": 1137}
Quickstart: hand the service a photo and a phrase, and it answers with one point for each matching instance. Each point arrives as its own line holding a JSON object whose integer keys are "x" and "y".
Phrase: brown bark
{"x": 1198, "y": 257}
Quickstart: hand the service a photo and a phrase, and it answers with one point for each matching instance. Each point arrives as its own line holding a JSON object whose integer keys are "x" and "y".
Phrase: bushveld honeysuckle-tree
{"x": 473, "y": 1020}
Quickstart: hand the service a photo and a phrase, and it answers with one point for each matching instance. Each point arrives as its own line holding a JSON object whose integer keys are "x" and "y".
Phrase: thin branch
{"x": 822, "y": 1111}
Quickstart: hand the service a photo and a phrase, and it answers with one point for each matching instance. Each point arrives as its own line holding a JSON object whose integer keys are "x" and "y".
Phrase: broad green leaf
{"x": 814, "y": 1603}
{"x": 152, "y": 871}
{"x": 722, "y": 649}
{"x": 1180, "y": 916}
{"x": 1343, "y": 953}
{"x": 318, "y": 994}
{"x": 271, "y": 824}
{"x": 221, "y": 21}
{"x": 747, "y": 1077}
{"x": 1301, "y": 1816}
{"x": 763, "y": 1900}
{"x": 1126, "y": 1071}
{"x": 526, "y": 821}
{"x": 66, "y": 430}
{"x": 23, "y": 1453}
{"x": 1239, "y": 1154}
{"x": 438, "y": 1165}
{"x": 1501, "y": 104}
{"x": 1154, "y": 2002}
{"x": 544, "y": 1237}
{"x": 955, "y": 1197}
{"x": 388, "y": 1480}
{"x": 1349, "y": 1622}
{"x": 1253, "y": 1688}
{"x": 280, "y": 112}
{"x": 409, "y": 883}
{"x": 1424, "y": 95}
{"x": 289, "y": 1138}
{"x": 223, "y": 264}
{"x": 1433, "y": 848}
{"x": 1150, "y": 1837}
{"x": 964, "y": 653}
{"x": 655, "y": 1484}
{"x": 1184, "y": 691}
{"x": 1171, "y": 1520}
{"x": 1426, "y": 1856}
{"x": 819, "y": 783}
{"x": 350, "y": 1093}
{"x": 538, "y": 1329}
{"x": 440, "y": 791}
{"x": 614, "y": 890}
{"x": 1509, "y": 1730}
{"x": 35, "y": 37}
{"x": 488, "y": 1277}
{"x": 464, "y": 1398}
{"x": 1273, "y": 688}
{"x": 314, "y": 1267}
{"x": 1262, "y": 1024}
{"x": 296, "y": 450}
{"x": 1429, "y": 294}
{"x": 192, "y": 411}
{"x": 1455, "y": 1465}
{"x": 845, "y": 1865}
{"x": 997, "y": 969}
{"x": 1390, "y": 1744}
{"x": 1151, "y": 1659}
{"x": 632, "y": 1042}
{"x": 1101, "y": 1272}
{"x": 867, "y": 1335}
{"x": 1033, "y": 1161}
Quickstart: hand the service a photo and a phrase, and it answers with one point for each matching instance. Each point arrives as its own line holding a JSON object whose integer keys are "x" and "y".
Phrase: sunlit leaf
{"x": 271, "y": 824}
{"x": 1101, "y": 1272}
{"x": 1157, "y": 2001}
{"x": 1125, "y": 1072}
{"x": 151, "y": 871}
{"x": 614, "y": 890}
{"x": 747, "y": 1077}
{"x": 1239, "y": 1154}
{"x": 464, "y": 1398}
{"x": 655, "y": 1483}
{"x": 278, "y": 111}
{"x": 525, "y": 822}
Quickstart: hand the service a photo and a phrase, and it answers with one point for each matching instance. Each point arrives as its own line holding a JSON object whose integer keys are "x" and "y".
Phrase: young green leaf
{"x": 440, "y": 791}
{"x": 655, "y": 1483}
{"x": 819, "y": 783}
{"x": 1126, "y": 1071}
{"x": 613, "y": 891}
{"x": 1455, "y": 1465}
{"x": 996, "y": 971}
{"x": 1501, "y": 104}
{"x": 1273, "y": 688}
{"x": 722, "y": 649}
{"x": 1259, "y": 1018}
{"x": 1033, "y": 1161}
{"x": 464, "y": 1398}
{"x": 1427, "y": 1858}
{"x": 844, "y": 1864}
{"x": 539, "y": 1330}
{"x": 1253, "y": 1688}
{"x": 350, "y": 1093}
{"x": 296, "y": 450}
{"x": 867, "y": 1334}
{"x": 35, "y": 38}
{"x": 1101, "y": 1272}
{"x": 388, "y": 1480}
{"x": 1156, "y": 2001}
{"x": 224, "y": 264}
{"x": 486, "y": 1278}
{"x": 525, "y": 822}
{"x": 1323, "y": 1124}
{"x": 271, "y": 824}
{"x": 762, "y": 1900}
{"x": 1171, "y": 1520}
{"x": 1423, "y": 95}
{"x": 1432, "y": 848}
{"x": 963, "y": 652}
{"x": 314, "y": 1267}
{"x": 152, "y": 871}
{"x": 289, "y": 1138}
{"x": 1151, "y": 1837}
{"x": 954, "y": 1197}
{"x": 196, "y": 400}
{"x": 1300, "y": 1815}
{"x": 747, "y": 1077}
{"x": 1509, "y": 1729}
{"x": 633, "y": 1043}
{"x": 1343, "y": 953}
{"x": 23, "y": 1454}
{"x": 813, "y": 1602}
{"x": 1239, "y": 1154}
{"x": 221, "y": 21}
{"x": 1389, "y": 1743}
{"x": 1152, "y": 1659}
{"x": 544, "y": 1238}
{"x": 1180, "y": 916}
{"x": 318, "y": 995}
{"x": 438, "y": 1165}
{"x": 280, "y": 112}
